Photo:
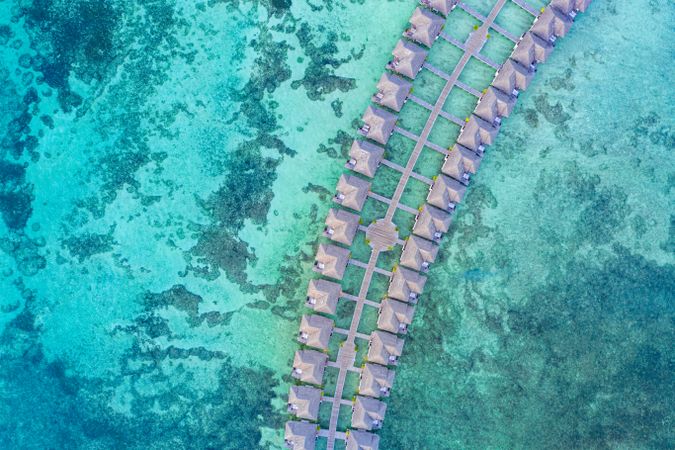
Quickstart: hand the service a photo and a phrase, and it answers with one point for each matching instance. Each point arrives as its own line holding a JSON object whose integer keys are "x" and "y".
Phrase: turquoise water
{"x": 166, "y": 168}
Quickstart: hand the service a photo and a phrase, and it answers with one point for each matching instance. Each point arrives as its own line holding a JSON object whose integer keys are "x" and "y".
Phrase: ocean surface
{"x": 165, "y": 170}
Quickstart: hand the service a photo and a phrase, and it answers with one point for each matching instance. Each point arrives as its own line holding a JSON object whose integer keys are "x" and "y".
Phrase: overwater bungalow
{"x": 375, "y": 380}
{"x": 493, "y": 105}
{"x": 431, "y": 223}
{"x": 341, "y": 226}
{"x": 531, "y": 50}
{"x": 315, "y": 331}
{"x": 408, "y": 59}
{"x": 364, "y": 158}
{"x": 395, "y": 316}
{"x": 460, "y": 162}
{"x": 304, "y": 402}
{"x": 331, "y": 261}
{"x": 323, "y": 295}
{"x": 512, "y": 78}
{"x": 418, "y": 253}
{"x": 446, "y": 193}
{"x": 476, "y": 134}
{"x": 406, "y": 285}
{"x": 351, "y": 192}
{"x": 442, "y": 6}
{"x": 392, "y": 91}
{"x": 300, "y": 435}
{"x": 551, "y": 24}
{"x": 565, "y": 6}
{"x": 362, "y": 440}
{"x": 384, "y": 348}
{"x": 425, "y": 27}
{"x": 368, "y": 413}
{"x": 308, "y": 366}
{"x": 378, "y": 124}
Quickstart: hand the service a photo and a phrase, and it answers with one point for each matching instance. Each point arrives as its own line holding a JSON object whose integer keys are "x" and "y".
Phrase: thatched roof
{"x": 425, "y": 27}
{"x": 304, "y": 402}
{"x": 368, "y": 413}
{"x": 384, "y": 348}
{"x": 477, "y": 133}
{"x": 531, "y": 49}
{"x": 341, "y": 226}
{"x": 323, "y": 295}
{"x": 351, "y": 192}
{"x": 300, "y": 435}
{"x": 308, "y": 366}
{"x": 431, "y": 223}
{"x": 331, "y": 261}
{"x": 392, "y": 91}
{"x": 408, "y": 59}
{"x": 406, "y": 285}
{"x": 395, "y": 316}
{"x": 494, "y": 104}
{"x": 442, "y": 6}
{"x": 315, "y": 331}
{"x": 378, "y": 124}
{"x": 362, "y": 440}
{"x": 446, "y": 193}
{"x": 364, "y": 157}
{"x": 512, "y": 77}
{"x": 418, "y": 253}
{"x": 375, "y": 380}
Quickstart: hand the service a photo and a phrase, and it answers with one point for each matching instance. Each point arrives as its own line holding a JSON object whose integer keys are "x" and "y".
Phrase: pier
{"x": 418, "y": 246}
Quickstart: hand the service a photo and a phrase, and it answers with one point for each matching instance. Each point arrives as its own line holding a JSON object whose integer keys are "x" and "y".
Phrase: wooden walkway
{"x": 382, "y": 235}
{"x": 345, "y": 355}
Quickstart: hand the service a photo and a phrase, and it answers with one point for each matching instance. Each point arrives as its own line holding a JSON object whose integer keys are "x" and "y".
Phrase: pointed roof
{"x": 392, "y": 91}
{"x": 323, "y": 295}
{"x": 442, "y": 6}
{"x": 362, "y": 440}
{"x": 470, "y": 159}
{"x": 565, "y": 6}
{"x": 551, "y": 24}
{"x": 512, "y": 76}
{"x": 425, "y": 27}
{"x": 384, "y": 348}
{"x": 300, "y": 435}
{"x": 446, "y": 193}
{"x": 395, "y": 316}
{"x": 341, "y": 226}
{"x": 331, "y": 261}
{"x": 308, "y": 366}
{"x": 418, "y": 253}
{"x": 365, "y": 157}
{"x": 375, "y": 380}
{"x": 304, "y": 402}
{"x": 408, "y": 59}
{"x": 315, "y": 331}
{"x": 351, "y": 192}
{"x": 379, "y": 124}
{"x": 406, "y": 285}
{"x": 368, "y": 413}
{"x": 476, "y": 133}
{"x": 453, "y": 166}
{"x": 494, "y": 104}
{"x": 531, "y": 49}
{"x": 431, "y": 223}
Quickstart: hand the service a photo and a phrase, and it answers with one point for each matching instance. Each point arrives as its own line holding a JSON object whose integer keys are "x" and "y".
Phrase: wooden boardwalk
{"x": 382, "y": 235}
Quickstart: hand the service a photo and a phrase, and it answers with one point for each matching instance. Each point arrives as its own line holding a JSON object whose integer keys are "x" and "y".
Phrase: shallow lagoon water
{"x": 165, "y": 174}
